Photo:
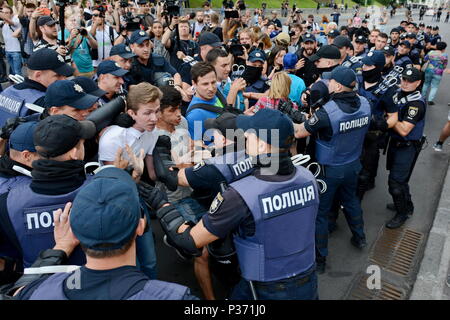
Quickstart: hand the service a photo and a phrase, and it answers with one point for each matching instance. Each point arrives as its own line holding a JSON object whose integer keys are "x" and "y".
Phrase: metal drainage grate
{"x": 387, "y": 291}
{"x": 395, "y": 250}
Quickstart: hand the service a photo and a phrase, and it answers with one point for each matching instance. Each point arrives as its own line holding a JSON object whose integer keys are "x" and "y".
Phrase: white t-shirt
{"x": 12, "y": 44}
{"x": 116, "y": 137}
{"x": 103, "y": 40}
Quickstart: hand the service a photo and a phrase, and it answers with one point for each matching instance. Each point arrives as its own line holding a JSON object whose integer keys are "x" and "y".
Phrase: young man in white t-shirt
{"x": 143, "y": 102}
{"x": 11, "y": 32}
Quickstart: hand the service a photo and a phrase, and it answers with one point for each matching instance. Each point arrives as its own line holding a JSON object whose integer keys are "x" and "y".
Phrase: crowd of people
{"x": 242, "y": 135}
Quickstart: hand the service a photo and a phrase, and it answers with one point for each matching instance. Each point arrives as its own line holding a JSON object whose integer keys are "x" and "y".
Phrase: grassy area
{"x": 270, "y": 3}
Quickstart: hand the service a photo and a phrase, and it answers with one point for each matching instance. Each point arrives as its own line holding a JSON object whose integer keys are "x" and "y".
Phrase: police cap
{"x": 21, "y": 138}
{"x": 342, "y": 75}
{"x": 327, "y": 52}
{"x": 412, "y": 74}
{"x": 139, "y": 36}
{"x": 226, "y": 121}
{"x": 48, "y": 59}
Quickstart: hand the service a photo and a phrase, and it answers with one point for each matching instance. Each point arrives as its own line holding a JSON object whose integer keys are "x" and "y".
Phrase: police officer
{"x": 339, "y": 126}
{"x": 89, "y": 86}
{"x": 344, "y": 45}
{"x": 359, "y": 45}
{"x": 405, "y": 144}
{"x": 389, "y": 55}
{"x": 100, "y": 204}
{"x": 308, "y": 71}
{"x": 276, "y": 196}
{"x": 394, "y": 39}
{"x": 257, "y": 83}
{"x": 384, "y": 115}
{"x": 147, "y": 65}
{"x": 45, "y": 67}
{"x": 110, "y": 79}
{"x": 326, "y": 58}
{"x": 414, "y": 53}
{"x": 56, "y": 178}
{"x": 123, "y": 55}
{"x": 402, "y": 58}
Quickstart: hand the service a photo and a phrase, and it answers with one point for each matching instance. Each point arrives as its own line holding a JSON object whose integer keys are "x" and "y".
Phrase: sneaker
{"x": 430, "y": 103}
{"x": 182, "y": 255}
{"x": 437, "y": 147}
{"x": 397, "y": 221}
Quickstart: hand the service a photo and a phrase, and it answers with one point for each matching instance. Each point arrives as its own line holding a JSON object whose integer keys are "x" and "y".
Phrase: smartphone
{"x": 46, "y": 11}
{"x": 231, "y": 14}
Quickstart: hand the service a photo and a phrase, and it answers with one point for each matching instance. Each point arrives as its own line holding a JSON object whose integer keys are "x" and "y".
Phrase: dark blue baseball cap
{"x": 209, "y": 38}
{"x": 48, "y": 59}
{"x": 139, "y": 36}
{"x": 266, "y": 120}
{"x": 65, "y": 92}
{"x": 89, "y": 86}
{"x": 257, "y": 55}
{"x": 109, "y": 66}
{"x": 343, "y": 75}
{"x": 21, "y": 138}
{"x": 106, "y": 211}
{"x": 289, "y": 61}
{"x": 122, "y": 50}
{"x": 333, "y": 33}
{"x": 374, "y": 58}
{"x": 308, "y": 37}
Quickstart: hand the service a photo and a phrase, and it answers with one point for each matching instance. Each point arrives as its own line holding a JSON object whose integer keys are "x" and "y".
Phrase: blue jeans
{"x": 145, "y": 250}
{"x": 300, "y": 287}
{"x": 15, "y": 62}
{"x": 431, "y": 80}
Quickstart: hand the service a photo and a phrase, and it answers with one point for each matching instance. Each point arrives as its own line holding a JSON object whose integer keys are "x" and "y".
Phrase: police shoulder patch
{"x": 313, "y": 120}
{"x": 412, "y": 111}
{"x": 199, "y": 165}
{"x": 217, "y": 202}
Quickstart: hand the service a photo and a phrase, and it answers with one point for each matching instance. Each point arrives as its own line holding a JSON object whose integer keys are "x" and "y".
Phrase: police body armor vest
{"x": 6, "y": 184}
{"x": 349, "y": 130}
{"x": 283, "y": 245}
{"x": 417, "y": 132}
{"x": 232, "y": 165}
{"x": 52, "y": 289}
{"x": 402, "y": 60}
{"x": 31, "y": 215}
{"x": 353, "y": 63}
{"x": 374, "y": 99}
{"x": 12, "y": 102}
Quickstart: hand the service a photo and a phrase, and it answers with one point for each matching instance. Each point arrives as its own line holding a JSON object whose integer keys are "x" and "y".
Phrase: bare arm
{"x": 300, "y": 131}
{"x": 392, "y": 119}
{"x": 403, "y": 128}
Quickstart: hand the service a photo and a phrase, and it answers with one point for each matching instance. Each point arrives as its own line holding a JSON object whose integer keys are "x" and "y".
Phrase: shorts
{"x": 190, "y": 209}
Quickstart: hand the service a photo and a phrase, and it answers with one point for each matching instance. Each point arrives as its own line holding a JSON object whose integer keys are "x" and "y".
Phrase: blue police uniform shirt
{"x": 413, "y": 112}
{"x": 156, "y": 63}
{"x": 385, "y": 102}
{"x": 297, "y": 88}
{"x": 196, "y": 117}
{"x": 185, "y": 70}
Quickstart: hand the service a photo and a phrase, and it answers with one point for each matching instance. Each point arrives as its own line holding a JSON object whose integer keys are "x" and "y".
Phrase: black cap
{"x": 333, "y": 33}
{"x": 122, "y": 50}
{"x": 421, "y": 24}
{"x": 66, "y": 92}
{"x": 46, "y": 20}
{"x": 58, "y": 134}
{"x": 343, "y": 75}
{"x": 89, "y": 86}
{"x": 308, "y": 37}
{"x": 361, "y": 39}
{"x": 209, "y": 38}
{"x": 388, "y": 50}
{"x": 395, "y": 30}
{"x": 48, "y": 59}
{"x": 435, "y": 28}
{"x": 222, "y": 123}
{"x": 411, "y": 35}
{"x": 406, "y": 44}
{"x": 412, "y": 74}
{"x": 326, "y": 51}
{"x": 342, "y": 41}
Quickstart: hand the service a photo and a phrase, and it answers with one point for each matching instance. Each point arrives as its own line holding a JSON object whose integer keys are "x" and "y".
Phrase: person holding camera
{"x": 25, "y": 11}
{"x": 48, "y": 30}
{"x": 296, "y": 38}
{"x": 11, "y": 30}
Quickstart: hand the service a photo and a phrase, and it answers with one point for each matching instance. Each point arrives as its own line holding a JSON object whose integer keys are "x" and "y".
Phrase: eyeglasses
{"x": 96, "y": 15}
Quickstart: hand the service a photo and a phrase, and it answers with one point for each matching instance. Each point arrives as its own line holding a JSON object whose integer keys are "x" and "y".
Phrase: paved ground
{"x": 346, "y": 262}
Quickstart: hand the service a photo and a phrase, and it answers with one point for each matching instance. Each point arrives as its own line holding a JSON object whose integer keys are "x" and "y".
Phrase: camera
{"x": 228, "y": 4}
{"x": 83, "y": 32}
{"x": 62, "y": 3}
{"x": 123, "y": 4}
{"x": 171, "y": 8}
{"x": 291, "y": 33}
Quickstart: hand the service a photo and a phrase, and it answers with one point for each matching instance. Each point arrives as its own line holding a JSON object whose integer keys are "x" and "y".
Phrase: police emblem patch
{"x": 78, "y": 88}
{"x": 127, "y": 49}
{"x": 370, "y": 54}
{"x": 217, "y": 202}
{"x": 409, "y": 72}
{"x": 258, "y": 54}
{"x": 412, "y": 111}
{"x": 198, "y": 166}
{"x": 117, "y": 65}
{"x": 60, "y": 58}
{"x": 313, "y": 120}
{"x": 142, "y": 33}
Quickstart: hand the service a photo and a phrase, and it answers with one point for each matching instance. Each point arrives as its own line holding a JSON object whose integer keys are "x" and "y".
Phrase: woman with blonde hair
{"x": 279, "y": 91}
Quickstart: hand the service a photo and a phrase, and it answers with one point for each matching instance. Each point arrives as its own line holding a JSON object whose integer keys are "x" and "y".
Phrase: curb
{"x": 435, "y": 266}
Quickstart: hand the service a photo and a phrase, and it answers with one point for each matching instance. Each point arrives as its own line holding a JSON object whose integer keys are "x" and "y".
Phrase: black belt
{"x": 300, "y": 281}
{"x": 404, "y": 143}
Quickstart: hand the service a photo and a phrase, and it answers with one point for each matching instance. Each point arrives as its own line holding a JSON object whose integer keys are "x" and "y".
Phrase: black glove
{"x": 164, "y": 147}
{"x": 10, "y": 125}
{"x": 295, "y": 115}
{"x": 124, "y": 120}
{"x": 379, "y": 124}
{"x": 153, "y": 197}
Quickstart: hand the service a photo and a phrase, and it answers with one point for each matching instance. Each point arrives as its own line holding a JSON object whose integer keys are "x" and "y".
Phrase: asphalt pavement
{"x": 346, "y": 263}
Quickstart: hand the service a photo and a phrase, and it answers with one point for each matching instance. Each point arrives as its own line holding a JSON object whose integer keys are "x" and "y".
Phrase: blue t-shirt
{"x": 297, "y": 88}
{"x": 80, "y": 55}
{"x": 196, "y": 117}
{"x": 239, "y": 102}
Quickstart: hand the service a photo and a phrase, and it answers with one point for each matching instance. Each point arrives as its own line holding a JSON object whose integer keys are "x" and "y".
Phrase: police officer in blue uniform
{"x": 402, "y": 58}
{"x": 394, "y": 38}
{"x": 256, "y": 82}
{"x": 414, "y": 53}
{"x": 56, "y": 178}
{"x": 111, "y": 197}
{"x": 278, "y": 196}
{"x": 344, "y": 44}
{"x": 405, "y": 144}
{"x": 384, "y": 115}
{"x": 45, "y": 67}
{"x": 360, "y": 50}
{"x": 339, "y": 126}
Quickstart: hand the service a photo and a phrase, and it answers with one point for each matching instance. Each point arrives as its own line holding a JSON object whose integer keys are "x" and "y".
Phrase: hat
{"x": 283, "y": 38}
{"x": 48, "y": 59}
{"x": 435, "y": 28}
{"x": 326, "y": 51}
{"x": 89, "y": 86}
{"x": 273, "y": 34}
{"x": 257, "y": 55}
{"x": 343, "y": 75}
{"x": 364, "y": 21}
{"x": 333, "y": 33}
{"x": 109, "y": 66}
{"x": 223, "y": 122}
{"x": 21, "y": 138}
{"x": 361, "y": 39}
{"x": 122, "y": 50}
{"x": 106, "y": 211}
{"x": 46, "y": 20}
{"x": 266, "y": 120}
{"x": 374, "y": 58}
{"x": 429, "y": 27}
{"x": 406, "y": 44}
{"x": 209, "y": 38}
{"x": 58, "y": 134}
{"x": 342, "y": 41}
{"x": 308, "y": 37}
{"x": 411, "y": 35}
{"x": 395, "y": 30}
{"x": 65, "y": 92}
{"x": 139, "y": 36}
{"x": 289, "y": 61}
{"x": 390, "y": 51}
{"x": 412, "y": 74}
{"x": 421, "y": 24}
